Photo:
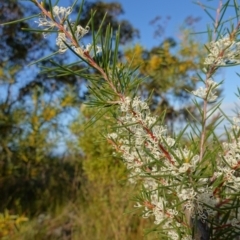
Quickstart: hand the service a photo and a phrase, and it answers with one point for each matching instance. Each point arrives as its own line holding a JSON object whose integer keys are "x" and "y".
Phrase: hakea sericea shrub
{"x": 191, "y": 190}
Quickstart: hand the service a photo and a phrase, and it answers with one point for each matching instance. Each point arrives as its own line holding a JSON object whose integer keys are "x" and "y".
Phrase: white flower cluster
{"x": 154, "y": 158}
{"x": 229, "y": 168}
{"x": 222, "y": 52}
{"x": 227, "y": 174}
{"x": 60, "y": 15}
{"x": 62, "y": 41}
{"x": 235, "y": 125}
{"x": 145, "y": 148}
{"x": 208, "y": 93}
{"x": 195, "y": 201}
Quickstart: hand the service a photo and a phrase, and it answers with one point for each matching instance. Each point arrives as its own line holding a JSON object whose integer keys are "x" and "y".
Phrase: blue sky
{"x": 144, "y": 11}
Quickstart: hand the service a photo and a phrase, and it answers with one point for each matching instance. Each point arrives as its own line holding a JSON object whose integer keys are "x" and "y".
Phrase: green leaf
{"x": 20, "y": 20}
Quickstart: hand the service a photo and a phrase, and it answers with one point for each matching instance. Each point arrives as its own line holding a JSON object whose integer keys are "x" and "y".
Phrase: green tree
{"x": 32, "y": 107}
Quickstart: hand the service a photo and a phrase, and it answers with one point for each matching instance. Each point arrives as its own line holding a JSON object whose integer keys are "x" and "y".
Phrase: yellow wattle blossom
{"x": 154, "y": 63}
{"x": 49, "y": 113}
{"x": 134, "y": 55}
{"x": 67, "y": 101}
{"x": 34, "y": 120}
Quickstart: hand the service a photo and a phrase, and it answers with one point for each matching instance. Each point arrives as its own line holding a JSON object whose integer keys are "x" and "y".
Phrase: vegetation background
{"x": 58, "y": 178}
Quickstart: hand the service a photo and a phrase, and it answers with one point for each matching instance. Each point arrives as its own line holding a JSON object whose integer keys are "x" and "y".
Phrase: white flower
{"x": 235, "y": 125}
{"x": 60, "y": 42}
{"x": 59, "y": 15}
{"x": 234, "y": 222}
{"x": 80, "y": 32}
{"x": 187, "y": 194}
{"x": 208, "y": 92}
{"x": 89, "y": 47}
{"x": 112, "y": 135}
{"x": 62, "y": 39}
{"x": 44, "y": 22}
{"x": 222, "y": 52}
{"x": 99, "y": 49}
{"x": 236, "y": 120}
{"x": 207, "y": 197}
{"x": 137, "y": 205}
{"x": 184, "y": 167}
{"x": 137, "y": 104}
{"x": 124, "y": 105}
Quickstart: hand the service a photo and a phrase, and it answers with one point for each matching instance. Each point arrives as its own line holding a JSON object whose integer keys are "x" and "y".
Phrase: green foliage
{"x": 31, "y": 176}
